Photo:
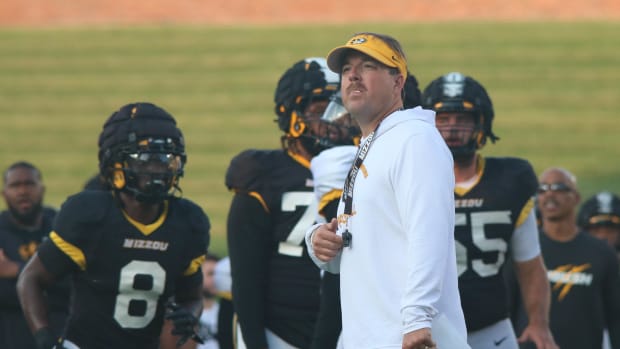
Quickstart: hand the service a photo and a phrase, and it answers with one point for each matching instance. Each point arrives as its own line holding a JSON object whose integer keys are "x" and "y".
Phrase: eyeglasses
{"x": 545, "y": 187}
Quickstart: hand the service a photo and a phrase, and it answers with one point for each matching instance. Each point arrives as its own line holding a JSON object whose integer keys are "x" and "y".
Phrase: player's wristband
{"x": 44, "y": 339}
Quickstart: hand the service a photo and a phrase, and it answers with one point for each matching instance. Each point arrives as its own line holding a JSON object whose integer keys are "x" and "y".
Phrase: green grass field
{"x": 554, "y": 86}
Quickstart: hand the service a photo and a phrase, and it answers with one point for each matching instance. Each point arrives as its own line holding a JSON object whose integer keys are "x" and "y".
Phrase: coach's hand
{"x": 325, "y": 242}
{"x": 184, "y": 323}
{"x": 419, "y": 339}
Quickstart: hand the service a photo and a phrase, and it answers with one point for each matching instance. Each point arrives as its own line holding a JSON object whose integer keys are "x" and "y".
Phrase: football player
{"x": 130, "y": 250}
{"x": 600, "y": 216}
{"x": 275, "y": 284}
{"x": 495, "y": 218}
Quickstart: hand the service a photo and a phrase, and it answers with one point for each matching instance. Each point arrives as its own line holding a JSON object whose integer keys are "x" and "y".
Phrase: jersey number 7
{"x": 290, "y": 202}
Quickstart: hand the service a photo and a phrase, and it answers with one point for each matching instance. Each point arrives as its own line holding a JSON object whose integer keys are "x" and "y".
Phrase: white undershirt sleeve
{"x": 524, "y": 243}
{"x": 332, "y": 266}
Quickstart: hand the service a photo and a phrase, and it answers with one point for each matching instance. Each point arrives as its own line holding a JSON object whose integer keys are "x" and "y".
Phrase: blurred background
{"x": 551, "y": 68}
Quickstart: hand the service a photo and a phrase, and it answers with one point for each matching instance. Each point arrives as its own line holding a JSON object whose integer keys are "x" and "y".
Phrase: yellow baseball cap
{"x": 372, "y": 46}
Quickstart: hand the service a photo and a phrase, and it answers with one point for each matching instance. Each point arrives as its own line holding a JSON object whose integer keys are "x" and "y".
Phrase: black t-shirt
{"x": 585, "y": 292}
{"x": 19, "y": 245}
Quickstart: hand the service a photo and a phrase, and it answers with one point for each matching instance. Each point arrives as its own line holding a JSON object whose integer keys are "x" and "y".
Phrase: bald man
{"x": 582, "y": 270}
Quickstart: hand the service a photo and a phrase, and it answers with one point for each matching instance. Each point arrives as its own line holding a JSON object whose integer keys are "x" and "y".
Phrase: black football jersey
{"x": 275, "y": 283}
{"x": 123, "y": 271}
{"x": 486, "y": 217}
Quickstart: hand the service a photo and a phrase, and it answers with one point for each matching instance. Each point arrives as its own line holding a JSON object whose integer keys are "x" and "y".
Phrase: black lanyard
{"x": 347, "y": 194}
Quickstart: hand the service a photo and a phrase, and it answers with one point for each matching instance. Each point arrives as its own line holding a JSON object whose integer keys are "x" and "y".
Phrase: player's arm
{"x": 535, "y": 290}
{"x": 31, "y": 286}
{"x": 50, "y": 263}
{"x": 57, "y": 255}
{"x": 183, "y": 310}
{"x": 533, "y": 283}
{"x": 248, "y": 247}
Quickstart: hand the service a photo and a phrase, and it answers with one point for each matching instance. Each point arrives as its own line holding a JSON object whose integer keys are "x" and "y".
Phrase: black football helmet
{"x": 455, "y": 92}
{"x": 601, "y": 209}
{"x": 412, "y": 97}
{"x": 142, "y": 152}
{"x": 307, "y": 81}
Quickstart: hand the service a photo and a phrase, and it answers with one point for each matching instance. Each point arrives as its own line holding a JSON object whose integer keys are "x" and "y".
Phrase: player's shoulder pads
{"x": 193, "y": 214}
{"x": 248, "y": 170}
{"x": 88, "y": 206}
{"x": 520, "y": 170}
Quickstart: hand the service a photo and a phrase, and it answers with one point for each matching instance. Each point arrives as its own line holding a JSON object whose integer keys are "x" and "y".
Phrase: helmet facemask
{"x": 341, "y": 128}
{"x": 462, "y": 131}
{"x": 307, "y": 127}
{"x": 333, "y": 128}
{"x": 149, "y": 172}
{"x": 152, "y": 177}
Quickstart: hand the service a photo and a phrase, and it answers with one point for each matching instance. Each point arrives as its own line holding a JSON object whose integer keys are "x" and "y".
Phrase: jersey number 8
{"x": 127, "y": 293}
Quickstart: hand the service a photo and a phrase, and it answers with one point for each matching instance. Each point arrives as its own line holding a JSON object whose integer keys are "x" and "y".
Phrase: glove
{"x": 184, "y": 323}
{"x": 44, "y": 339}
